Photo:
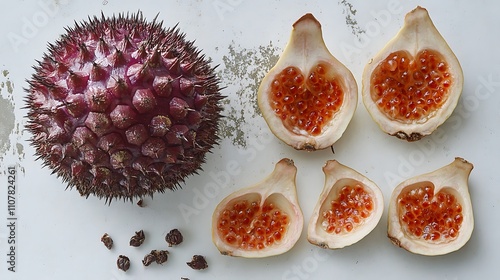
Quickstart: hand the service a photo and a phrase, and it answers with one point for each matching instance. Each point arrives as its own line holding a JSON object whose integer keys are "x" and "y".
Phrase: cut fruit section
{"x": 349, "y": 208}
{"x": 435, "y": 218}
{"x": 308, "y": 98}
{"x": 431, "y": 214}
{"x": 352, "y": 206}
{"x": 261, "y": 220}
{"x": 251, "y": 225}
{"x": 409, "y": 89}
{"x": 413, "y": 85}
{"x": 306, "y": 104}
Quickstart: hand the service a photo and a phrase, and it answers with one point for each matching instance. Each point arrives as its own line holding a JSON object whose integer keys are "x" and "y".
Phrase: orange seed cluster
{"x": 350, "y": 209}
{"x": 428, "y": 216}
{"x": 306, "y": 103}
{"x": 407, "y": 89}
{"x": 248, "y": 226}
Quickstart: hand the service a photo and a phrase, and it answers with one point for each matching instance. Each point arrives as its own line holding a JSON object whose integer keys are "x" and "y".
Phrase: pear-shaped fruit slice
{"x": 261, "y": 220}
{"x": 431, "y": 214}
{"x": 413, "y": 84}
{"x": 349, "y": 208}
{"x": 309, "y": 97}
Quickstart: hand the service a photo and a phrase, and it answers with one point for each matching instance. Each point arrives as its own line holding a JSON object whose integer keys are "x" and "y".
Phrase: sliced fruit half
{"x": 348, "y": 209}
{"x": 431, "y": 214}
{"x": 309, "y": 97}
{"x": 261, "y": 220}
{"x": 414, "y": 83}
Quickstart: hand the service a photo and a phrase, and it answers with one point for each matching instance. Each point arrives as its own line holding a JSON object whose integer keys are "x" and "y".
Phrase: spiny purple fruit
{"x": 123, "y": 108}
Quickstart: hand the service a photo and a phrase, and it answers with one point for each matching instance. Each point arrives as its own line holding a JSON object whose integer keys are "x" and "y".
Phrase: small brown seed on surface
{"x": 174, "y": 237}
{"x": 198, "y": 262}
{"x": 140, "y": 203}
{"x": 123, "y": 262}
{"x": 137, "y": 239}
{"x": 161, "y": 256}
{"x": 158, "y": 256}
{"x": 148, "y": 259}
{"x": 107, "y": 240}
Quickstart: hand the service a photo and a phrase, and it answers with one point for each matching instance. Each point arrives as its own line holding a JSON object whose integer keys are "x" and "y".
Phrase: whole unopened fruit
{"x": 431, "y": 214}
{"x": 121, "y": 108}
{"x": 309, "y": 97}
{"x": 414, "y": 83}
{"x": 349, "y": 208}
{"x": 261, "y": 220}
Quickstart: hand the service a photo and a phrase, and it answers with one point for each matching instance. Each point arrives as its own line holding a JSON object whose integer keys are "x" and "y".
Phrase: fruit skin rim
{"x": 306, "y": 39}
{"x": 452, "y": 176}
{"x": 407, "y": 39}
{"x": 334, "y": 172}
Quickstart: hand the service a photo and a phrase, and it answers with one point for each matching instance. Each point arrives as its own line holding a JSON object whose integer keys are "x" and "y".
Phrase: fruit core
{"x": 306, "y": 103}
{"x": 407, "y": 89}
{"x": 353, "y": 205}
{"x": 428, "y": 216}
{"x": 248, "y": 226}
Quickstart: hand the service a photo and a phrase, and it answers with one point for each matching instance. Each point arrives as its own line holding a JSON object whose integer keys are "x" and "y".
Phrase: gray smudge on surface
{"x": 243, "y": 70}
{"x": 7, "y": 117}
{"x": 350, "y": 20}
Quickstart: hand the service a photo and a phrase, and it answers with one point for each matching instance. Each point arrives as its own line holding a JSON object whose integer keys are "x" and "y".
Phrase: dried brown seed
{"x": 148, "y": 259}
{"x": 161, "y": 256}
{"x": 137, "y": 239}
{"x": 158, "y": 256}
{"x": 140, "y": 203}
{"x": 174, "y": 237}
{"x": 123, "y": 262}
{"x": 107, "y": 240}
{"x": 198, "y": 262}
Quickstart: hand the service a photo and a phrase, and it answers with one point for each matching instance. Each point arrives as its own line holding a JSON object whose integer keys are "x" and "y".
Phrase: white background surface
{"x": 58, "y": 232}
